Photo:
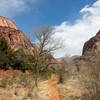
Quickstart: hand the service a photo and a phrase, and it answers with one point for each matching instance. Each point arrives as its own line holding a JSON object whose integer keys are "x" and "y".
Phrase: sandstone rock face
{"x": 92, "y": 45}
{"x": 4, "y": 22}
{"x": 16, "y": 38}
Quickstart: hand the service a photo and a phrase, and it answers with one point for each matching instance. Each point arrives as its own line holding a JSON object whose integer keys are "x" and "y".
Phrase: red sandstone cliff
{"x": 16, "y": 38}
{"x": 5, "y": 22}
{"x": 92, "y": 45}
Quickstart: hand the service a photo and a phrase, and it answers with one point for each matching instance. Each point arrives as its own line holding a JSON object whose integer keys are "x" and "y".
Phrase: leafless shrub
{"x": 46, "y": 44}
{"x": 66, "y": 69}
{"x": 90, "y": 76}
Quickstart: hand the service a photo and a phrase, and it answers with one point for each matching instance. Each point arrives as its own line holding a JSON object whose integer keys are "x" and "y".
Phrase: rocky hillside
{"x": 5, "y": 22}
{"x": 92, "y": 45}
{"x": 16, "y": 38}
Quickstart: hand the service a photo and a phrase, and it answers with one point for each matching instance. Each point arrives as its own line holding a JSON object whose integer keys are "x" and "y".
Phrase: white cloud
{"x": 10, "y": 8}
{"x": 75, "y": 35}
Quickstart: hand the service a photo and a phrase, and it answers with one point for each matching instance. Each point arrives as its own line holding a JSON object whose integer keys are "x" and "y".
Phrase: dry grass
{"x": 24, "y": 89}
{"x": 72, "y": 89}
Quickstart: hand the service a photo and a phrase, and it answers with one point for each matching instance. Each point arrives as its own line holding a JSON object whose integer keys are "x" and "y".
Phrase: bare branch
{"x": 46, "y": 44}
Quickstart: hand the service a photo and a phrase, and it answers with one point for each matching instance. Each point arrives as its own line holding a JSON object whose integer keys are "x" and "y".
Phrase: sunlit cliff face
{"x": 4, "y": 22}
{"x": 15, "y": 38}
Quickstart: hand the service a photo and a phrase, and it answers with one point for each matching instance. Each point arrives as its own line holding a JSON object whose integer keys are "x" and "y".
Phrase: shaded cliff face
{"x": 92, "y": 45}
{"x": 16, "y": 38}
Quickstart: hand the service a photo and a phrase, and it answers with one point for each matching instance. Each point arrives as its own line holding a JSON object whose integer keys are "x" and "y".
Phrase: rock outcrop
{"x": 5, "y": 22}
{"x": 16, "y": 38}
{"x": 92, "y": 45}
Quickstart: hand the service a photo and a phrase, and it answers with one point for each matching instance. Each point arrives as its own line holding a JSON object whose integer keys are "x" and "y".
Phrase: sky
{"x": 74, "y": 21}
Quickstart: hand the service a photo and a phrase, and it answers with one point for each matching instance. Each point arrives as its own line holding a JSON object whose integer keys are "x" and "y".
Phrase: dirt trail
{"x": 53, "y": 89}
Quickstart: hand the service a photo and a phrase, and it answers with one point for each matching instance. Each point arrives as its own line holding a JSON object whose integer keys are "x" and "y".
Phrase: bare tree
{"x": 46, "y": 45}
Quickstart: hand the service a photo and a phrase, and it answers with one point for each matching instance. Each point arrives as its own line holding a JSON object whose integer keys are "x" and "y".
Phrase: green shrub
{"x": 15, "y": 60}
{"x": 6, "y": 55}
{"x": 46, "y": 74}
{"x": 5, "y": 82}
{"x": 19, "y": 61}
